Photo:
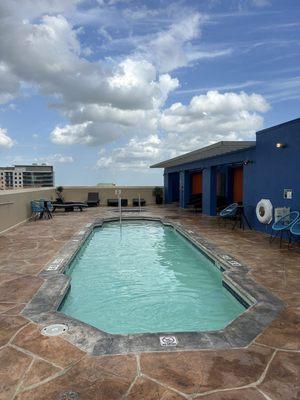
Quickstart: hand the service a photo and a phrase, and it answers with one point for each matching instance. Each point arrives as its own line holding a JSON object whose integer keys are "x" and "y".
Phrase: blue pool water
{"x": 145, "y": 277}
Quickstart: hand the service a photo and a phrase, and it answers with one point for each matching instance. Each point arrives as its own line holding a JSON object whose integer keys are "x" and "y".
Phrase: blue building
{"x": 237, "y": 171}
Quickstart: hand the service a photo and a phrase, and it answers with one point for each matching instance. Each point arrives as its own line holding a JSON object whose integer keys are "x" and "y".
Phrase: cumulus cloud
{"x": 205, "y": 120}
{"x": 54, "y": 62}
{"x": 212, "y": 117}
{"x": 5, "y": 140}
{"x": 71, "y": 134}
{"x": 137, "y": 154}
{"x": 101, "y": 99}
{"x": 117, "y": 99}
{"x": 9, "y": 84}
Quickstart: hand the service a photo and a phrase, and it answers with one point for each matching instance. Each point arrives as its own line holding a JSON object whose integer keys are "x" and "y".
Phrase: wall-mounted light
{"x": 246, "y": 162}
{"x": 280, "y": 145}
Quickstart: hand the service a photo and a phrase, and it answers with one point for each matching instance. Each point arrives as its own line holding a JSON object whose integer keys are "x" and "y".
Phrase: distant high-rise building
{"x": 26, "y": 176}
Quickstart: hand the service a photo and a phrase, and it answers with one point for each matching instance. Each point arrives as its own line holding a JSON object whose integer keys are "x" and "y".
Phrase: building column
{"x": 209, "y": 191}
{"x": 166, "y": 187}
{"x": 229, "y": 185}
{"x": 184, "y": 188}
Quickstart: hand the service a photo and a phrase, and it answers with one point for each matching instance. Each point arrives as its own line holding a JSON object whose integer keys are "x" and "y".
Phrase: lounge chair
{"x": 229, "y": 213}
{"x": 135, "y": 202}
{"x": 295, "y": 228}
{"x": 68, "y": 205}
{"x": 114, "y": 202}
{"x": 283, "y": 225}
{"x": 93, "y": 199}
{"x": 37, "y": 209}
{"x": 196, "y": 202}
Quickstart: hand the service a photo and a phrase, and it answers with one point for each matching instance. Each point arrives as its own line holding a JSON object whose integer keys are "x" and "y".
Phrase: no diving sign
{"x": 168, "y": 341}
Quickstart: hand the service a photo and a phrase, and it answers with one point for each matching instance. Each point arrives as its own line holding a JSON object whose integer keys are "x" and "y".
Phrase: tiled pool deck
{"x": 33, "y": 366}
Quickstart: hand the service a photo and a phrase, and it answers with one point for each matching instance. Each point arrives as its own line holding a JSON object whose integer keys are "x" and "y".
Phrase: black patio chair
{"x": 93, "y": 199}
{"x": 135, "y": 202}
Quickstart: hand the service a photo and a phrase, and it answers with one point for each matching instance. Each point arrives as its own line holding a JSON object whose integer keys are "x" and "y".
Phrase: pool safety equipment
{"x": 264, "y": 211}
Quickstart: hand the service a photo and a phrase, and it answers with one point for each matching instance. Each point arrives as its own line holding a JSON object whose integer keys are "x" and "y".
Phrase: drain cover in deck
{"x": 54, "y": 329}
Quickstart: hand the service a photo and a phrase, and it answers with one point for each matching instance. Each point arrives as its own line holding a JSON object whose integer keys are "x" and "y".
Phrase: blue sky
{"x": 103, "y": 89}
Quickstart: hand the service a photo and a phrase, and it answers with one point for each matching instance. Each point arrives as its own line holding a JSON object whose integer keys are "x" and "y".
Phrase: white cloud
{"x": 96, "y": 123}
{"x": 5, "y": 140}
{"x": 212, "y": 117}
{"x": 71, "y": 134}
{"x": 9, "y": 84}
{"x": 55, "y": 159}
{"x": 138, "y": 154}
{"x": 261, "y": 3}
{"x": 279, "y": 90}
{"x": 122, "y": 98}
{"x": 35, "y": 8}
{"x": 205, "y": 120}
{"x": 167, "y": 49}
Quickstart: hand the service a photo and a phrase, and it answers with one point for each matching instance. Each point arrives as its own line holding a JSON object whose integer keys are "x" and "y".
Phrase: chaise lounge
{"x": 195, "y": 201}
{"x": 93, "y": 199}
{"x": 135, "y": 202}
{"x": 114, "y": 202}
{"x": 68, "y": 205}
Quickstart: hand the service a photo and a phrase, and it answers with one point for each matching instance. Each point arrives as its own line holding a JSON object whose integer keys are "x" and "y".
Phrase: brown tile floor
{"x": 36, "y": 367}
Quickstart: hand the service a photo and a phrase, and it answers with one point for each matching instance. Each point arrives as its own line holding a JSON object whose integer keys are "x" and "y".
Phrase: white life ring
{"x": 264, "y": 211}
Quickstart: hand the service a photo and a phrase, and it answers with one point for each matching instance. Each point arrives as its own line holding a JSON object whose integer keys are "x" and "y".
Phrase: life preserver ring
{"x": 264, "y": 211}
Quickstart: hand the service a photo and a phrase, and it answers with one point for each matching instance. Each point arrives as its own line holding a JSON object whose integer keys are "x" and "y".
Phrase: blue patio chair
{"x": 295, "y": 228}
{"x": 37, "y": 208}
{"x": 229, "y": 212}
{"x": 50, "y": 206}
{"x": 283, "y": 225}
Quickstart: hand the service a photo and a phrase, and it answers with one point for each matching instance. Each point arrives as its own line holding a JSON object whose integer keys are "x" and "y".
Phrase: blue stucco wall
{"x": 171, "y": 187}
{"x": 185, "y": 169}
{"x": 209, "y": 200}
{"x": 267, "y": 171}
{"x": 277, "y": 169}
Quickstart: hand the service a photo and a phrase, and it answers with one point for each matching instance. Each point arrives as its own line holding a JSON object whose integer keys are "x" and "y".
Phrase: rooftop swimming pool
{"x": 142, "y": 277}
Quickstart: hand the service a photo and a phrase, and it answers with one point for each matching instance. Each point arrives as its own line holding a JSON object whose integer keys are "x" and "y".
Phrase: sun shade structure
{"x": 213, "y": 150}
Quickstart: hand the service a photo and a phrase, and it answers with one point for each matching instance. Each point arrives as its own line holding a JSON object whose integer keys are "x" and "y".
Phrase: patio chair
{"x": 60, "y": 203}
{"x": 93, "y": 199}
{"x": 283, "y": 225}
{"x": 135, "y": 202}
{"x": 295, "y": 228}
{"x": 69, "y": 206}
{"x": 195, "y": 202}
{"x": 229, "y": 213}
{"x": 37, "y": 209}
{"x": 115, "y": 202}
